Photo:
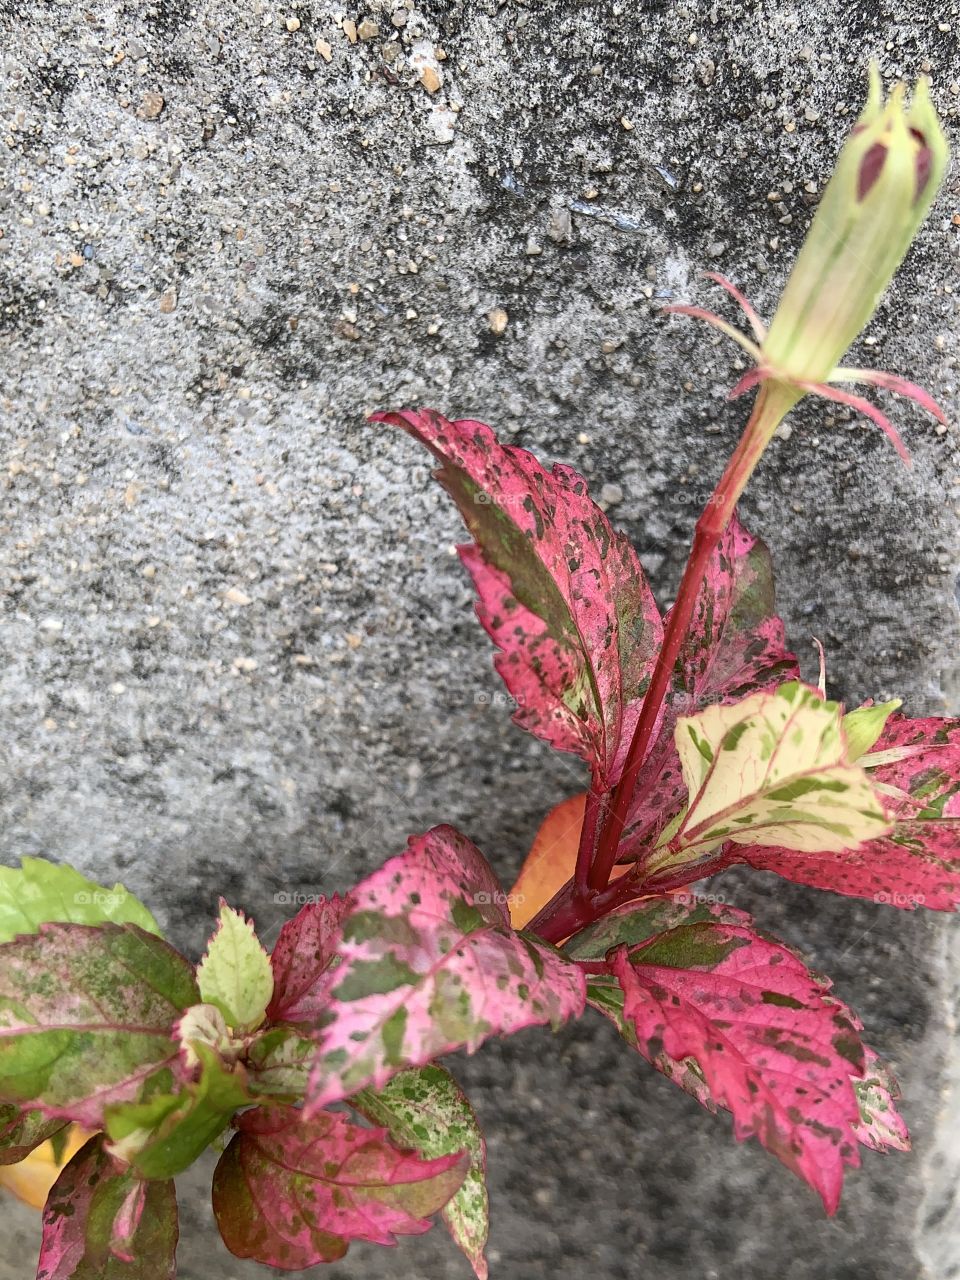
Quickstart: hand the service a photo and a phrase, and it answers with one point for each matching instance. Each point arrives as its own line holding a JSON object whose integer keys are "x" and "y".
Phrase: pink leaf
{"x": 881, "y": 1127}
{"x": 301, "y": 956}
{"x": 86, "y": 1017}
{"x": 429, "y": 964}
{"x": 293, "y": 1192}
{"x": 918, "y": 864}
{"x": 769, "y": 1044}
{"x": 735, "y": 646}
{"x": 102, "y": 1223}
{"x": 561, "y": 594}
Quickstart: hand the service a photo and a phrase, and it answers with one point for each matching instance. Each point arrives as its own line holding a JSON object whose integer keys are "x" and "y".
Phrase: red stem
{"x": 772, "y": 403}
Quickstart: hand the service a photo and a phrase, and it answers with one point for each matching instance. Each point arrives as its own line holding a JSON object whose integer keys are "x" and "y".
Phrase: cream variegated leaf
{"x": 774, "y": 768}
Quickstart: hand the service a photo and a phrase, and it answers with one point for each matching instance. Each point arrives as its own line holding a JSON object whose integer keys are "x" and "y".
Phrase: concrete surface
{"x": 238, "y": 654}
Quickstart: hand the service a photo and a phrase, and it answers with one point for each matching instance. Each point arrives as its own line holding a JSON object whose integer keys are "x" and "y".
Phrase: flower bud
{"x": 885, "y": 180}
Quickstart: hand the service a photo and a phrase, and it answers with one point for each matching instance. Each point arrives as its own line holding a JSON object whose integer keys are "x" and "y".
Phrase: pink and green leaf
{"x": 739, "y": 1022}
{"x": 425, "y": 1109}
{"x": 21, "y": 1131}
{"x": 561, "y": 593}
{"x": 918, "y": 863}
{"x": 302, "y": 954}
{"x": 86, "y": 1018}
{"x": 881, "y": 1127}
{"x": 292, "y": 1192}
{"x": 101, "y": 1222}
{"x": 429, "y": 964}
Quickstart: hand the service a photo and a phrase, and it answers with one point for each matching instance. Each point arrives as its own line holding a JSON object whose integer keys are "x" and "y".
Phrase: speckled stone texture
{"x": 238, "y": 654}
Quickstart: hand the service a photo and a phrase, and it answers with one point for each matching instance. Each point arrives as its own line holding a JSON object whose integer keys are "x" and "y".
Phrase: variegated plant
{"x": 314, "y": 1068}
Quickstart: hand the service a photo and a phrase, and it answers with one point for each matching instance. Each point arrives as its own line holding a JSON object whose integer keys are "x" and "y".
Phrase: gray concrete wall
{"x": 238, "y": 654}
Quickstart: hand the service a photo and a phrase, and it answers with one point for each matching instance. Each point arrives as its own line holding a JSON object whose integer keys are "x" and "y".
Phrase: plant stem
{"x": 773, "y": 402}
{"x": 592, "y": 815}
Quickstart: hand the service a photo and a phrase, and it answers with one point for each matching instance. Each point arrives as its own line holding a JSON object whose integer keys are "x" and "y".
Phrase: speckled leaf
{"x": 279, "y": 1062}
{"x": 162, "y": 1137}
{"x": 881, "y": 1127}
{"x": 918, "y": 863}
{"x": 42, "y": 891}
{"x": 292, "y": 1192}
{"x": 735, "y": 646}
{"x": 561, "y": 593}
{"x": 426, "y": 1109}
{"x": 22, "y": 1131}
{"x": 774, "y": 767}
{"x": 102, "y": 1223}
{"x": 430, "y": 964}
{"x": 301, "y": 956}
{"x": 86, "y": 1017}
{"x": 235, "y": 973}
{"x": 639, "y": 921}
{"x": 770, "y": 1045}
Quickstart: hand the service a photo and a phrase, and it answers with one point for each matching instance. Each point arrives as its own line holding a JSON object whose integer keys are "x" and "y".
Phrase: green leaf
{"x": 86, "y": 1017}
{"x": 162, "y": 1137}
{"x": 235, "y": 974}
{"x": 864, "y": 726}
{"x": 773, "y": 769}
{"x": 42, "y": 891}
{"x": 425, "y": 1109}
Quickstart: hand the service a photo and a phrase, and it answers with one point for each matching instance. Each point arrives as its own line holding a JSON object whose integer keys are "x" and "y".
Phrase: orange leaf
{"x": 550, "y": 862}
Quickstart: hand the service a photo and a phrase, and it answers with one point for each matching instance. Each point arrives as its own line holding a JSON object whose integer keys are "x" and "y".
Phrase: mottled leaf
{"x": 917, "y": 762}
{"x": 235, "y": 973}
{"x": 638, "y": 922}
{"x": 21, "y": 1131}
{"x": 429, "y": 963}
{"x": 881, "y": 1127}
{"x": 102, "y": 1223}
{"x": 42, "y": 891}
{"x": 770, "y": 1045}
{"x": 773, "y": 768}
{"x": 86, "y": 1017}
{"x": 426, "y": 1109}
{"x": 293, "y": 1192}
{"x": 303, "y": 952}
{"x": 279, "y": 1062}
{"x": 561, "y": 593}
{"x": 162, "y": 1137}
{"x": 735, "y": 646}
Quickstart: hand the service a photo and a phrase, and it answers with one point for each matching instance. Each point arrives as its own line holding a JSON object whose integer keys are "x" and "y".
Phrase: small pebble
{"x": 168, "y": 301}
{"x": 368, "y": 29}
{"x": 151, "y": 104}
{"x": 293, "y": 24}
{"x": 611, "y": 495}
{"x": 497, "y": 319}
{"x": 324, "y": 49}
{"x": 349, "y": 29}
{"x": 430, "y": 79}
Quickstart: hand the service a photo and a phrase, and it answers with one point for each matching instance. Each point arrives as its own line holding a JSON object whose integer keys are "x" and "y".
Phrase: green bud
{"x": 864, "y": 726}
{"x": 885, "y": 180}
